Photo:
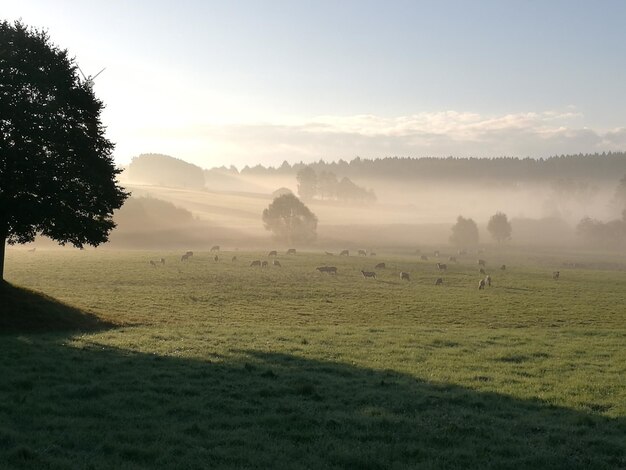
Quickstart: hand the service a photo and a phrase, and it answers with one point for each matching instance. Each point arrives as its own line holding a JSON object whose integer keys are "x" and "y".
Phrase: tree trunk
{"x": 3, "y": 242}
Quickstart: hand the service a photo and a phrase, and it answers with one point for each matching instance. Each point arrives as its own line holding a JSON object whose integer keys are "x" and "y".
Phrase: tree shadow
{"x": 24, "y": 310}
{"x": 101, "y": 407}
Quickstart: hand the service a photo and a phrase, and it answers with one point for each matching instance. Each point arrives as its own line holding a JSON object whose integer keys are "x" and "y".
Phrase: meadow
{"x": 108, "y": 362}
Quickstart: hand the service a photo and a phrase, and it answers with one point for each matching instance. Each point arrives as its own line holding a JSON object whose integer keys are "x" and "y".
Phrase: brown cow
{"x": 404, "y": 276}
{"x": 424, "y": 258}
{"x": 291, "y": 251}
{"x": 276, "y": 263}
{"x": 367, "y": 274}
{"x": 556, "y": 274}
{"x": 344, "y": 253}
{"x": 442, "y": 267}
{"x": 380, "y": 266}
{"x": 481, "y": 284}
{"x": 482, "y": 271}
{"x": 215, "y": 248}
{"x": 503, "y": 267}
{"x": 362, "y": 253}
{"x": 256, "y": 263}
{"x": 264, "y": 264}
{"x": 439, "y": 281}
{"x": 272, "y": 253}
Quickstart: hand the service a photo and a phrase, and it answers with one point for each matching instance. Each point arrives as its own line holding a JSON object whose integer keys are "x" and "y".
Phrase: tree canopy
{"x": 464, "y": 233}
{"x": 290, "y": 220}
{"x": 57, "y": 176}
{"x": 499, "y": 227}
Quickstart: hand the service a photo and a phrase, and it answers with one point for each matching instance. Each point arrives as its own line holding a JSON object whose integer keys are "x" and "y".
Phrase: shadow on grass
{"x": 100, "y": 407}
{"x": 23, "y": 310}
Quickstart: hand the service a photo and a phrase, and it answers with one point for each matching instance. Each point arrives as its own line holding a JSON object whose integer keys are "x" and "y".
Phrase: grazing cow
{"x": 264, "y": 264}
{"x": 255, "y": 263}
{"x": 367, "y": 274}
{"x": 162, "y": 260}
{"x": 404, "y": 276}
{"x": 215, "y": 248}
{"x": 189, "y": 254}
{"x": 185, "y": 257}
{"x": 442, "y": 267}
{"x": 344, "y": 253}
{"x": 216, "y": 259}
{"x": 503, "y": 267}
{"x": 153, "y": 264}
{"x": 328, "y": 253}
{"x": 452, "y": 259}
{"x": 234, "y": 258}
{"x": 488, "y": 280}
{"x": 380, "y": 266}
{"x": 482, "y": 262}
{"x": 481, "y": 284}
{"x": 362, "y": 253}
{"x": 276, "y": 263}
{"x": 436, "y": 253}
{"x": 424, "y": 258}
{"x": 439, "y": 281}
{"x": 291, "y": 251}
{"x": 372, "y": 253}
{"x": 556, "y": 274}
{"x": 327, "y": 269}
{"x": 482, "y": 271}
{"x": 273, "y": 253}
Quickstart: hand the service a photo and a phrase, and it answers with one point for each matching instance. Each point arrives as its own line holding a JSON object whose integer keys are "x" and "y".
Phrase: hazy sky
{"x": 247, "y": 82}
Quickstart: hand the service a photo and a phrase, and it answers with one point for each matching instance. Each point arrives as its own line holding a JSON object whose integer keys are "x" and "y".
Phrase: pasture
{"x": 204, "y": 364}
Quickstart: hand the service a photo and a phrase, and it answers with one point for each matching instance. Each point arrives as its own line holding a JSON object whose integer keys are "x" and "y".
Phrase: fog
{"x": 407, "y": 212}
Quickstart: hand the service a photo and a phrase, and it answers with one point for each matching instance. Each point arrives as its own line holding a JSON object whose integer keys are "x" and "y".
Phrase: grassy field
{"x": 221, "y": 365}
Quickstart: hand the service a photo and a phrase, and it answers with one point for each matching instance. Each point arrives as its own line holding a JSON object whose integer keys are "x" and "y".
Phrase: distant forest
{"x": 590, "y": 167}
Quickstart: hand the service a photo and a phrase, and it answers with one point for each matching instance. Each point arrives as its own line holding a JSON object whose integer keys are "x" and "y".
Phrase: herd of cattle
{"x": 404, "y": 276}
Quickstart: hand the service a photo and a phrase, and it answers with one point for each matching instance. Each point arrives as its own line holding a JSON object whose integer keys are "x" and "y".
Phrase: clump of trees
{"x": 290, "y": 220}
{"x": 163, "y": 170}
{"x": 610, "y": 234}
{"x": 499, "y": 227}
{"x": 464, "y": 233}
{"x": 326, "y": 186}
{"x": 57, "y": 175}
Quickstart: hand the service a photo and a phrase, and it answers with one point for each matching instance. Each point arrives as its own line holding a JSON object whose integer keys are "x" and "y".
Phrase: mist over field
{"x": 398, "y": 204}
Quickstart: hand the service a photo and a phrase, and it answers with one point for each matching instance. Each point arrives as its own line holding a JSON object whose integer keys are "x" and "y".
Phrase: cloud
{"x": 439, "y": 134}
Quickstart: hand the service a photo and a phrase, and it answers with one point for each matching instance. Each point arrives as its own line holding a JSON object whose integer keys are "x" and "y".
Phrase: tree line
{"x": 596, "y": 167}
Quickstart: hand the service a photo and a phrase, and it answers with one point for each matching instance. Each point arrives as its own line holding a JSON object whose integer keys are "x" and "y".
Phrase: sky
{"x": 243, "y": 82}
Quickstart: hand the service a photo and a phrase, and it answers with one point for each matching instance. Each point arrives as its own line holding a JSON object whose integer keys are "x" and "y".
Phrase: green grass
{"x": 220, "y": 365}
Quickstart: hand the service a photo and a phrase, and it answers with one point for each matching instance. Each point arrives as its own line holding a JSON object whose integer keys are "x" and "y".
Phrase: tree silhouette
{"x": 464, "y": 233}
{"x": 57, "y": 176}
{"x": 499, "y": 227}
{"x": 307, "y": 183}
{"x": 290, "y": 220}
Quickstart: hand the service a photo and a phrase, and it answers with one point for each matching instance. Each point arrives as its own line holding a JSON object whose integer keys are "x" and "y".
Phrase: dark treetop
{"x": 57, "y": 175}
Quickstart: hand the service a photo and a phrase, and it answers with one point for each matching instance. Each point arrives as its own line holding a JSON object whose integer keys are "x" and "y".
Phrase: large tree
{"x": 290, "y": 220}
{"x": 57, "y": 176}
{"x": 499, "y": 227}
{"x": 464, "y": 233}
